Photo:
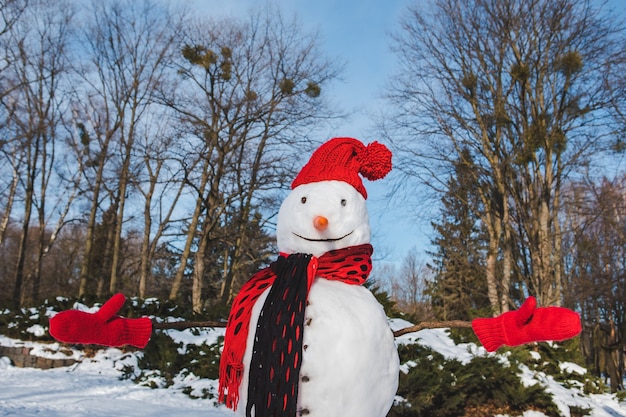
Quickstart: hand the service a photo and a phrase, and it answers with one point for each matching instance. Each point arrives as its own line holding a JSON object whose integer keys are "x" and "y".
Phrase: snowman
{"x": 305, "y": 337}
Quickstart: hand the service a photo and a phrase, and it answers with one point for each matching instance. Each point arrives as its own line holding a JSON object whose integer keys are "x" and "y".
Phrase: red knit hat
{"x": 343, "y": 159}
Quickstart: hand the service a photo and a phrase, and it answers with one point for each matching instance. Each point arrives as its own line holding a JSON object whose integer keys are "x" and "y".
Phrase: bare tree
{"x": 10, "y": 12}
{"x": 248, "y": 87}
{"x": 127, "y": 46}
{"x": 13, "y": 157}
{"x": 161, "y": 189}
{"x": 409, "y": 287}
{"x": 39, "y": 69}
{"x": 521, "y": 85}
{"x": 596, "y": 276}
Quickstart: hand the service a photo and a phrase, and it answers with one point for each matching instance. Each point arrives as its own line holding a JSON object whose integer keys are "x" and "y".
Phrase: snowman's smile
{"x": 323, "y": 240}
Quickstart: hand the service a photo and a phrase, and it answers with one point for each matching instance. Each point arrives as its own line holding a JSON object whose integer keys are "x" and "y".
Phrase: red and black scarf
{"x": 277, "y": 351}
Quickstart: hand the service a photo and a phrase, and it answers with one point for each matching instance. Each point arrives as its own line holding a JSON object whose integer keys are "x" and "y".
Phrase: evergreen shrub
{"x": 438, "y": 387}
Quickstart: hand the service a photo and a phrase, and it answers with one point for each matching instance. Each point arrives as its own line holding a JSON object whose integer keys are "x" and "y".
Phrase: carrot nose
{"x": 320, "y": 223}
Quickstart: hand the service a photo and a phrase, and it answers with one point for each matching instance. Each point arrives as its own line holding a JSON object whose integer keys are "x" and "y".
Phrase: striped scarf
{"x": 277, "y": 351}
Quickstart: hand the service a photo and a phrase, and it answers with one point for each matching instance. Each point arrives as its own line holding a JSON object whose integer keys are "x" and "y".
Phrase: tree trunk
{"x": 21, "y": 255}
{"x": 108, "y": 227}
{"x": 149, "y": 246}
{"x": 145, "y": 242}
{"x": 491, "y": 261}
{"x": 199, "y": 269}
{"x": 9, "y": 206}
{"x": 28, "y": 208}
{"x": 507, "y": 255}
{"x": 226, "y": 291}
{"x": 491, "y": 276}
{"x": 46, "y": 244}
{"x": 117, "y": 235}
{"x": 41, "y": 215}
{"x": 191, "y": 233}
{"x": 19, "y": 271}
{"x": 559, "y": 292}
{"x": 85, "y": 272}
{"x": 36, "y": 272}
{"x": 89, "y": 236}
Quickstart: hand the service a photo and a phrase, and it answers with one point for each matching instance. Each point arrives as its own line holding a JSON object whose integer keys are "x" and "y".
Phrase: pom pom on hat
{"x": 343, "y": 159}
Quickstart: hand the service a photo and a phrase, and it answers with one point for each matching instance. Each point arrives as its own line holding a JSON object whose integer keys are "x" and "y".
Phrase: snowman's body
{"x": 349, "y": 357}
{"x": 350, "y": 361}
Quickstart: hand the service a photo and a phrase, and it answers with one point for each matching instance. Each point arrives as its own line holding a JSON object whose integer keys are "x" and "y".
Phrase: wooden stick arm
{"x": 179, "y": 325}
{"x": 432, "y": 325}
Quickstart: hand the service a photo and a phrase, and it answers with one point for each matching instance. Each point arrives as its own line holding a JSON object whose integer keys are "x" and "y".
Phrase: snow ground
{"x": 93, "y": 387}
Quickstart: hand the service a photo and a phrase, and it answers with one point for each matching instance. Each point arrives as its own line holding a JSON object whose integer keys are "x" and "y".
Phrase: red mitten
{"x": 101, "y": 328}
{"x": 528, "y": 324}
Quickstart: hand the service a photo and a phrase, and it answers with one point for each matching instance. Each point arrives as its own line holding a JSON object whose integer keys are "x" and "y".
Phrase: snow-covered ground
{"x": 93, "y": 386}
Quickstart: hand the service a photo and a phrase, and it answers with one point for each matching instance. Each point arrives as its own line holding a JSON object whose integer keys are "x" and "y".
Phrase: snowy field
{"x": 93, "y": 387}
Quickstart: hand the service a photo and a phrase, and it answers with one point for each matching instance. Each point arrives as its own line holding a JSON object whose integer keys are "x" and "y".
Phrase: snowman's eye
{"x": 343, "y": 202}
{"x": 303, "y": 200}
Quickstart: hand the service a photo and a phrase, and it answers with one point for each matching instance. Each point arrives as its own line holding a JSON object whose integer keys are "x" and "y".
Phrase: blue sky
{"x": 356, "y": 32}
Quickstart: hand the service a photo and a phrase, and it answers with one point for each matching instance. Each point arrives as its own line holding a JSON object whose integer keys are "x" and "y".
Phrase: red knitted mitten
{"x": 101, "y": 328}
{"x": 528, "y": 324}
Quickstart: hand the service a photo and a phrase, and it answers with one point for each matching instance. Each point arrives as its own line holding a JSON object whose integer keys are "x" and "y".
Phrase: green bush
{"x": 162, "y": 360}
{"x": 20, "y": 324}
{"x": 463, "y": 335}
{"x": 205, "y": 359}
{"x": 576, "y": 411}
{"x": 438, "y": 387}
{"x": 160, "y": 357}
{"x": 549, "y": 357}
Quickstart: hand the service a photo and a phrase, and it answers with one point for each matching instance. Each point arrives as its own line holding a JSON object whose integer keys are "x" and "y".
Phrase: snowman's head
{"x": 322, "y": 216}
{"x": 326, "y": 208}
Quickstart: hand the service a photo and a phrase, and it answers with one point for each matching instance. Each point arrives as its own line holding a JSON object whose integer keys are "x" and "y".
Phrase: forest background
{"x": 146, "y": 149}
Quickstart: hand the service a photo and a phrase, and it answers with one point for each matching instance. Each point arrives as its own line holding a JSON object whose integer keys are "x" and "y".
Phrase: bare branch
{"x": 433, "y": 325}
{"x": 180, "y": 325}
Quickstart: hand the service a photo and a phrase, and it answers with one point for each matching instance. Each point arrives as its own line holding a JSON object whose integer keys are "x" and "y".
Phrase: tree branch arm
{"x": 432, "y": 325}
{"x": 179, "y": 325}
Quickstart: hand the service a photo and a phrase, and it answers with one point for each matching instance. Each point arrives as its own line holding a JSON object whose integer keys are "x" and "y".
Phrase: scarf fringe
{"x": 231, "y": 374}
